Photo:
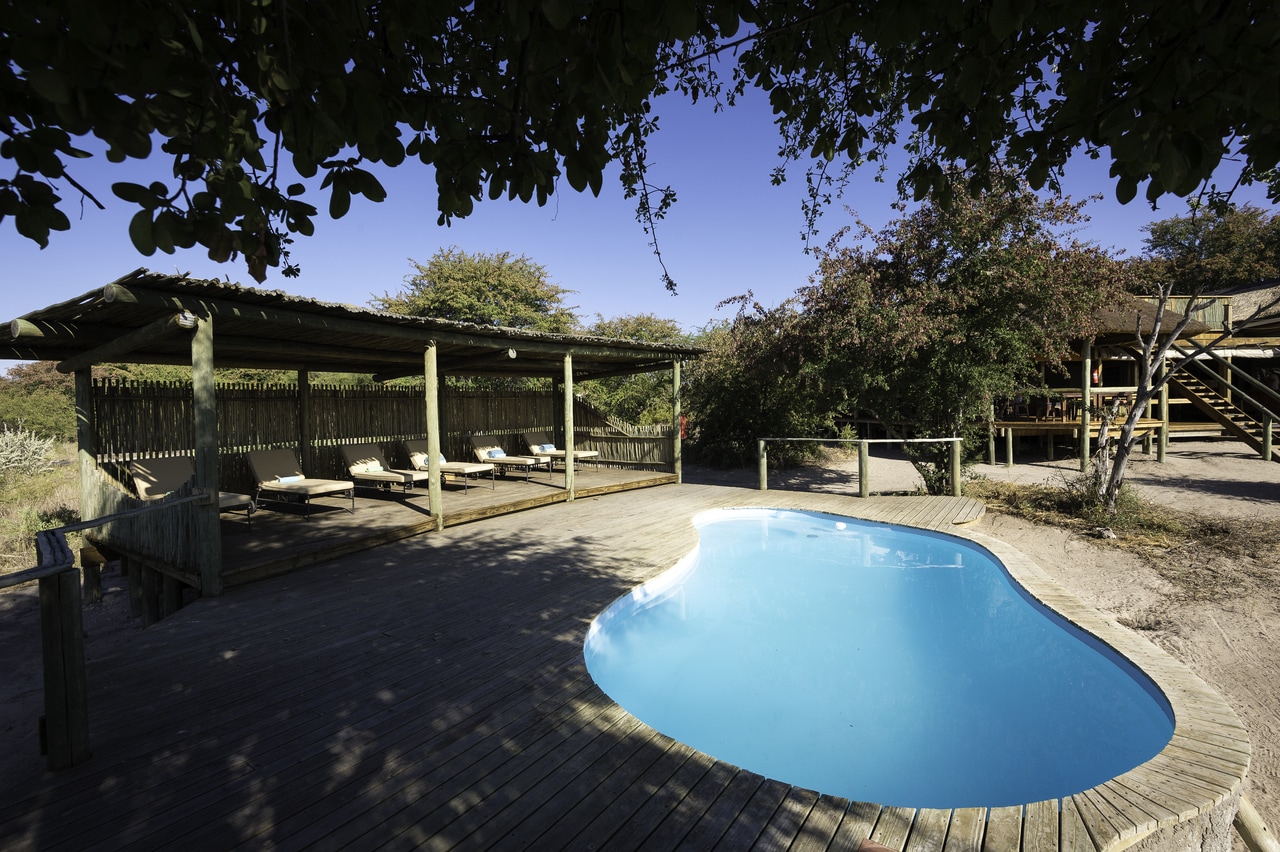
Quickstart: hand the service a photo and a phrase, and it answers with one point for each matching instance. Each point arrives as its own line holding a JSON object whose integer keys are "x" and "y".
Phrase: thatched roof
{"x": 1119, "y": 323}
{"x": 137, "y": 318}
{"x": 1261, "y": 298}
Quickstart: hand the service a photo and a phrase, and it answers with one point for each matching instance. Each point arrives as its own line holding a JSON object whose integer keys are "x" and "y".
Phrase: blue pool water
{"x": 873, "y": 662}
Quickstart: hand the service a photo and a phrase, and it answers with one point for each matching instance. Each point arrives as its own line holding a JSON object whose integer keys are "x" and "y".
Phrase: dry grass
{"x": 1204, "y": 558}
{"x": 35, "y": 502}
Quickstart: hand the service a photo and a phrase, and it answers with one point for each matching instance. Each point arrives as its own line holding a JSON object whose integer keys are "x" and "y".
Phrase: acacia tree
{"x": 643, "y": 398}
{"x": 928, "y": 321}
{"x": 1210, "y": 249}
{"x": 248, "y": 100}
{"x": 486, "y": 289}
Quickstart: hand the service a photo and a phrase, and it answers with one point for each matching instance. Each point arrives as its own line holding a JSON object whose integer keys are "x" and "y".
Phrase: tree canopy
{"x": 1212, "y": 249}
{"x": 247, "y": 101}
{"x": 486, "y": 289}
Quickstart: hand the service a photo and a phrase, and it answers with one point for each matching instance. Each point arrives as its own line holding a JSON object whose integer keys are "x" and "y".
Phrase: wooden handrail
{"x": 64, "y": 728}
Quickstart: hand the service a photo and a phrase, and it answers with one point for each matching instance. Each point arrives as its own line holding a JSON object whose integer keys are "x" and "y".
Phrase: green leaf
{"x": 134, "y": 194}
{"x": 49, "y": 85}
{"x": 140, "y": 233}
{"x": 339, "y": 200}
{"x": 558, "y": 12}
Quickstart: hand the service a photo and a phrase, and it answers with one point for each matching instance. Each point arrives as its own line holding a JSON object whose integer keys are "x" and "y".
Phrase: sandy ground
{"x": 1230, "y": 639}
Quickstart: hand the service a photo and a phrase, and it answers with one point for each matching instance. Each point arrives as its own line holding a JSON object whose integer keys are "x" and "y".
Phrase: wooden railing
{"x": 864, "y": 457}
{"x": 64, "y": 728}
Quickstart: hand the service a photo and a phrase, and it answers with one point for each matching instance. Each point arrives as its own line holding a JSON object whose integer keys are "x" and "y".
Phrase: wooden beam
{"x": 136, "y": 339}
{"x": 653, "y": 367}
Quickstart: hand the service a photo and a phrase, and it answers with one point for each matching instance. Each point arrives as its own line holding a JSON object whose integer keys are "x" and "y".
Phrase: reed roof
{"x": 271, "y": 329}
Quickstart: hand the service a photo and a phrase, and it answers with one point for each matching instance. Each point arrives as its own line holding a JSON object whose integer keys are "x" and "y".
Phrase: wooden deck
{"x": 432, "y": 693}
{"x": 280, "y": 541}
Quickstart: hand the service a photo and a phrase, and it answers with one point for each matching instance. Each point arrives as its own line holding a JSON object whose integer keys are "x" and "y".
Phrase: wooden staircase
{"x": 1246, "y": 424}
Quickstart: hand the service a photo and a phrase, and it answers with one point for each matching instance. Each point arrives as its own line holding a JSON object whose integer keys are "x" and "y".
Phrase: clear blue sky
{"x": 731, "y": 230}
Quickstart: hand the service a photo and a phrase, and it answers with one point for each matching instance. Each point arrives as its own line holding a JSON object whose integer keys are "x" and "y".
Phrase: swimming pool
{"x": 873, "y": 662}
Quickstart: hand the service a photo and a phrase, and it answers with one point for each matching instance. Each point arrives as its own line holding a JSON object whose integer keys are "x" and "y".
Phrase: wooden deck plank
{"x": 819, "y": 829}
{"x": 1004, "y": 830}
{"x": 744, "y": 831}
{"x": 893, "y": 828}
{"x": 1040, "y": 827}
{"x": 929, "y": 832}
{"x": 856, "y": 826}
{"x": 710, "y": 827}
{"x": 1073, "y": 835}
{"x": 966, "y": 830}
{"x": 784, "y": 826}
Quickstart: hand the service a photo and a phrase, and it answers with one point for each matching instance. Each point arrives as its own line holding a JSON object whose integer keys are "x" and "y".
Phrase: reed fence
{"x": 149, "y": 419}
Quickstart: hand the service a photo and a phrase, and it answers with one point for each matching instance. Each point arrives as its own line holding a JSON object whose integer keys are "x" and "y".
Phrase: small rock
{"x": 1103, "y": 532}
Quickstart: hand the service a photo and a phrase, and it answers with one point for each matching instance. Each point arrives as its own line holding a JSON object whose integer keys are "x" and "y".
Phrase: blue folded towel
{"x": 496, "y": 454}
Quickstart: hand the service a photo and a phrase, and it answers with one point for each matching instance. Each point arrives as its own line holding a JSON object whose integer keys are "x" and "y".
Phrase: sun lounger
{"x": 153, "y": 479}
{"x": 540, "y": 444}
{"x": 369, "y": 467}
{"x": 279, "y": 476}
{"x": 418, "y": 457}
{"x": 488, "y": 451}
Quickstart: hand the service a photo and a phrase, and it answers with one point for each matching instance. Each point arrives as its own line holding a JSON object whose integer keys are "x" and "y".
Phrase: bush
{"x": 41, "y": 410}
{"x": 24, "y": 452}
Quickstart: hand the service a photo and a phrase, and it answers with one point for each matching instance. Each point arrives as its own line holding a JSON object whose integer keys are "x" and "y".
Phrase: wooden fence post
{"x": 955, "y": 469}
{"x": 1266, "y": 438}
{"x": 864, "y": 472}
{"x": 762, "y": 463}
{"x": 66, "y": 690}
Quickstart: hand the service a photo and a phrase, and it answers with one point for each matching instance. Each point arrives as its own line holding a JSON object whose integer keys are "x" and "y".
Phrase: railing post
{"x": 1266, "y": 438}
{"x": 991, "y": 436}
{"x": 762, "y": 461}
{"x": 66, "y": 690}
{"x": 864, "y": 478}
{"x": 955, "y": 468}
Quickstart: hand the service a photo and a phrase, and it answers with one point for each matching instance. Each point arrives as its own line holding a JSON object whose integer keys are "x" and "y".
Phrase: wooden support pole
{"x": 1253, "y": 831}
{"x": 133, "y": 572}
{"x": 1162, "y": 448}
{"x": 435, "y": 494}
{"x": 864, "y": 469}
{"x": 1267, "y": 424}
{"x": 150, "y": 595}
{"x": 171, "y": 595}
{"x": 92, "y": 582}
{"x": 955, "y": 469}
{"x": 762, "y": 465}
{"x": 991, "y": 435}
{"x": 208, "y": 532}
{"x": 568, "y": 425}
{"x": 676, "y": 423}
{"x": 66, "y": 689}
{"x": 1008, "y": 446}
{"x": 305, "y": 456}
{"x": 86, "y": 435}
{"x": 1086, "y": 400}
